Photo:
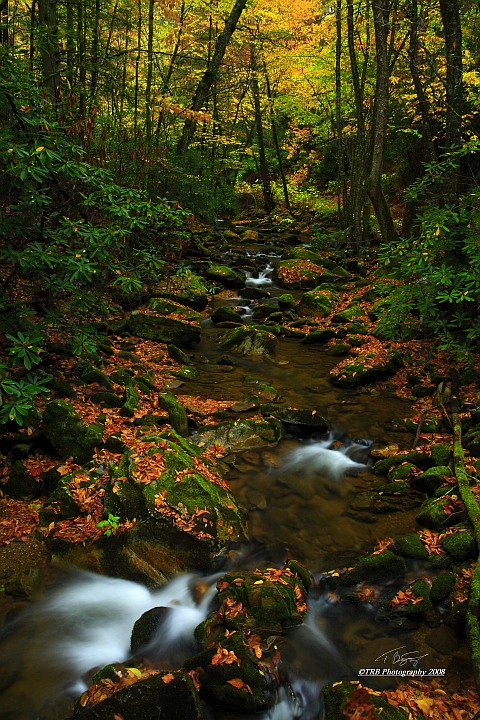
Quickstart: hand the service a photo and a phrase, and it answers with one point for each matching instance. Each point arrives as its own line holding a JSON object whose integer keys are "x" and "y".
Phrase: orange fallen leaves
{"x": 240, "y": 685}
{"x": 406, "y": 597}
{"x": 224, "y": 657}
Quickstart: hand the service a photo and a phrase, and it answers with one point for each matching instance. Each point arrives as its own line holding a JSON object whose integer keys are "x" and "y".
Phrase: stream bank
{"x": 273, "y": 421}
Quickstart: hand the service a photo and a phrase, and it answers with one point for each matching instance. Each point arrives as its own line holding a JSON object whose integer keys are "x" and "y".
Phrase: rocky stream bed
{"x": 242, "y": 507}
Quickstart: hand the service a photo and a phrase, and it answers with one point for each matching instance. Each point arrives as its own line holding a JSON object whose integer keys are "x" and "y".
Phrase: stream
{"x": 299, "y": 498}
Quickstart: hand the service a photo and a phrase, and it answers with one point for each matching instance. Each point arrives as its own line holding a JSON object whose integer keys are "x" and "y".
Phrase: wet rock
{"x": 374, "y": 567}
{"x": 338, "y": 694}
{"x": 67, "y": 432}
{"x": 166, "y": 696}
{"x": 146, "y": 627}
{"x": 226, "y": 276}
{"x": 318, "y": 337}
{"x": 163, "y": 329}
{"x": 420, "y": 601}
{"x": 299, "y": 420}
{"x": 226, "y": 314}
{"x": 338, "y": 349}
{"x": 316, "y": 303}
{"x": 248, "y": 341}
{"x": 241, "y": 434}
{"x": 177, "y": 354}
{"x": 417, "y": 457}
{"x": 401, "y": 472}
{"x": 367, "y": 367}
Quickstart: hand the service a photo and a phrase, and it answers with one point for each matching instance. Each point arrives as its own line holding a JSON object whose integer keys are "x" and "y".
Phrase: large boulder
{"x": 248, "y": 341}
{"x": 187, "y": 289}
{"x": 367, "y": 367}
{"x": 160, "y": 328}
{"x": 67, "y": 432}
{"x": 302, "y": 274}
{"x": 316, "y": 303}
{"x": 226, "y": 276}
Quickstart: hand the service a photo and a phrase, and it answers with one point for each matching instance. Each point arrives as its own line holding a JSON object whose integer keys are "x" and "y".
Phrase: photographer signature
{"x": 397, "y": 657}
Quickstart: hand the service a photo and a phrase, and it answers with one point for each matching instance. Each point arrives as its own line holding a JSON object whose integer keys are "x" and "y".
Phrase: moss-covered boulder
{"x": 316, "y": 303}
{"x": 69, "y": 435}
{"x": 286, "y": 301}
{"x": 438, "y": 513}
{"x": 60, "y": 503}
{"x": 401, "y": 472}
{"x": 226, "y": 276}
{"x": 339, "y": 696}
{"x": 249, "y": 341}
{"x": 319, "y": 337}
{"x": 303, "y": 253}
{"x": 91, "y": 374}
{"x": 164, "y": 306}
{"x": 367, "y": 367}
{"x": 431, "y": 479}
{"x": 186, "y": 289}
{"x": 177, "y": 414}
{"x": 338, "y": 349}
{"x": 131, "y": 400}
{"x": 460, "y": 544}
{"x": 160, "y": 328}
{"x": 226, "y": 314}
{"x": 374, "y": 567}
{"x": 241, "y": 434}
{"x": 442, "y": 586}
{"x": 302, "y": 275}
{"x": 415, "y": 599}
{"x": 21, "y": 485}
{"x": 410, "y": 546}
{"x": 441, "y": 454}
{"x": 353, "y": 312}
{"x": 166, "y": 696}
{"x": 415, "y": 457}
{"x": 170, "y": 484}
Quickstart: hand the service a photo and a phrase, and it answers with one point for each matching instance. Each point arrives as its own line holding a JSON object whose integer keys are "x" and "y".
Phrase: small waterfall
{"x": 261, "y": 278}
{"x": 322, "y": 457}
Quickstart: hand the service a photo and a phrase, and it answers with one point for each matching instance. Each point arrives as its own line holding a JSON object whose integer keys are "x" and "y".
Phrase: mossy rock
{"x": 226, "y": 276}
{"x": 131, "y": 401}
{"x": 432, "y": 513}
{"x": 316, "y": 303}
{"x": 241, "y": 434}
{"x": 319, "y": 337}
{"x": 163, "y": 306}
{"x": 177, "y": 414}
{"x": 302, "y": 274}
{"x": 60, "y": 504}
{"x": 20, "y": 484}
{"x": 104, "y": 398}
{"x": 303, "y": 253}
{"x": 188, "y": 289}
{"x": 401, "y": 472}
{"x": 421, "y": 603}
{"x": 357, "y": 328}
{"x": 146, "y": 627}
{"x": 460, "y": 544}
{"x": 249, "y": 341}
{"x": 163, "y": 329}
{"x": 225, "y": 313}
{"x": 430, "y": 425}
{"x": 69, "y": 435}
{"x": 286, "y": 301}
{"x": 411, "y": 546}
{"x": 154, "y": 697}
{"x": 338, "y": 349}
{"x": 337, "y": 694}
{"x": 442, "y": 586}
{"x": 441, "y": 454}
{"x": 294, "y": 418}
{"x": 92, "y": 375}
{"x": 178, "y": 354}
{"x": 375, "y": 567}
{"x": 348, "y": 315}
{"x": 367, "y": 367}
{"x": 187, "y": 372}
{"x": 416, "y": 457}
{"x": 431, "y": 479}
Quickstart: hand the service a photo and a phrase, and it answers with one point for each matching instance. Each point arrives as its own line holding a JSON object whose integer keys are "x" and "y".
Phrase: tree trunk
{"x": 454, "y": 88}
{"x": 4, "y": 22}
{"x": 48, "y": 26}
{"x": 381, "y": 11}
{"x": 263, "y": 166}
{"x": 343, "y": 199}
{"x": 278, "y": 151}
{"x": 210, "y": 76}
{"x": 148, "y": 89}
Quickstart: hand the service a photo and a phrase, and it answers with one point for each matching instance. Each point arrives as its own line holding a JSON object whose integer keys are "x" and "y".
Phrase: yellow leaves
{"x": 424, "y": 704}
{"x": 39, "y": 149}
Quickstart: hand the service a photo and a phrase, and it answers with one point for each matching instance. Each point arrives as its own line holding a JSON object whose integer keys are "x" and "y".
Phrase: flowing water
{"x": 299, "y": 496}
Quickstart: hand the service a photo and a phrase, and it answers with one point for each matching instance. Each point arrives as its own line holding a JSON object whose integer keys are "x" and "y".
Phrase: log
{"x": 473, "y": 511}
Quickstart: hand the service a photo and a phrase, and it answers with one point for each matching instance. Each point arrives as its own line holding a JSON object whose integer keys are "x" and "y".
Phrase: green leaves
{"x": 26, "y": 348}
{"x": 17, "y": 396}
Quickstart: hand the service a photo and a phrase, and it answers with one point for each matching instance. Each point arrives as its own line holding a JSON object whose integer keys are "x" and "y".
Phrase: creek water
{"x": 299, "y": 497}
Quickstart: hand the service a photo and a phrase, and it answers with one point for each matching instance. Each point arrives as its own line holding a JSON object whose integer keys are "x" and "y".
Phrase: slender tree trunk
{"x": 278, "y": 151}
{"x": 70, "y": 41}
{"x": 171, "y": 66}
{"x": 81, "y": 50}
{"x": 48, "y": 27}
{"x": 263, "y": 166}
{"x": 148, "y": 89}
{"x": 211, "y": 73}
{"x": 454, "y": 90}
{"x": 381, "y": 10}
{"x": 95, "y": 54}
{"x": 4, "y": 22}
{"x": 344, "y": 214}
{"x": 137, "y": 68}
